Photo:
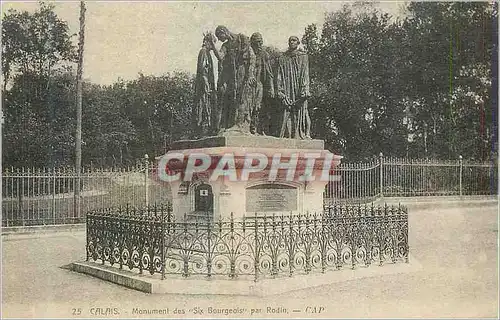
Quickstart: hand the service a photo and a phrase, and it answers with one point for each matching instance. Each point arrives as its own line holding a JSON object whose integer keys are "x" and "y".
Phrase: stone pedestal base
{"x": 212, "y": 196}
{"x": 196, "y": 285}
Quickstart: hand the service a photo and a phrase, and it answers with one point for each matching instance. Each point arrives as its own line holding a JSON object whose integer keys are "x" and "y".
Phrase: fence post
{"x": 381, "y": 161}
{"x": 20, "y": 197}
{"x": 146, "y": 172}
{"x": 53, "y": 195}
{"x": 256, "y": 249}
{"x": 162, "y": 242}
{"x": 461, "y": 171}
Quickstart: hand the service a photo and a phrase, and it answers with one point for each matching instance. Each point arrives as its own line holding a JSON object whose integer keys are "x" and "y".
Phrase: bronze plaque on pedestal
{"x": 271, "y": 198}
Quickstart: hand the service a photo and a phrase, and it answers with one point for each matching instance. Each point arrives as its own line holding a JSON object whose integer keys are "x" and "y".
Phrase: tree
{"x": 34, "y": 43}
{"x": 126, "y": 120}
{"x": 107, "y": 131}
{"x": 415, "y": 87}
{"x": 356, "y": 104}
{"x": 449, "y": 76}
{"x": 37, "y": 89}
{"x": 34, "y": 136}
{"x": 160, "y": 108}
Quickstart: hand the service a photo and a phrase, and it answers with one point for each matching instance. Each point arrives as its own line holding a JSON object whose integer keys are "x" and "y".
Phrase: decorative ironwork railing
{"x": 44, "y": 197}
{"x": 260, "y": 246}
{"x": 400, "y": 177}
{"x": 41, "y": 197}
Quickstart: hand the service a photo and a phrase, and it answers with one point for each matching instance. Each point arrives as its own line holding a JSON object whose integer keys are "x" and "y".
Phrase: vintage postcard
{"x": 237, "y": 159}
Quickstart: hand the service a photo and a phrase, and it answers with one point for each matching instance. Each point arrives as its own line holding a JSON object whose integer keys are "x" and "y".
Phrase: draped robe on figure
{"x": 264, "y": 88}
{"x": 205, "y": 93}
{"x": 238, "y": 63}
{"x": 292, "y": 82}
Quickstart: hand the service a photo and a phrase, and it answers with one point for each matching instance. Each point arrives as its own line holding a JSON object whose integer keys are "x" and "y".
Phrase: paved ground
{"x": 457, "y": 247}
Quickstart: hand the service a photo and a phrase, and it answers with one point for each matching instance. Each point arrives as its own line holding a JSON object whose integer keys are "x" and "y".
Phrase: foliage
{"x": 39, "y": 128}
{"x": 37, "y": 89}
{"x": 354, "y": 77}
{"x": 129, "y": 119}
{"x": 451, "y": 78}
{"x": 34, "y": 43}
{"x": 419, "y": 86}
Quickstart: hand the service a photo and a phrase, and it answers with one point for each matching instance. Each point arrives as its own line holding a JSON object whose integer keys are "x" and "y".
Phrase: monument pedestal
{"x": 273, "y": 189}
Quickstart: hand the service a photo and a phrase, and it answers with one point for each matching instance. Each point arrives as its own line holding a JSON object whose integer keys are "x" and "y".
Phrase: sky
{"x": 123, "y": 39}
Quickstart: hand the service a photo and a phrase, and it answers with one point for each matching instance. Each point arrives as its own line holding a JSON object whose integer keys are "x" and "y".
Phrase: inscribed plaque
{"x": 271, "y": 197}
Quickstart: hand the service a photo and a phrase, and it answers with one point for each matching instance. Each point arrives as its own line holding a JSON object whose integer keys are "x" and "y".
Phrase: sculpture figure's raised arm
{"x": 219, "y": 53}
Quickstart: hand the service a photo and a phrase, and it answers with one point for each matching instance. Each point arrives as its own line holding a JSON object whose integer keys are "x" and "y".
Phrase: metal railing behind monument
{"x": 47, "y": 197}
{"x": 150, "y": 240}
{"x": 354, "y": 183}
{"x": 400, "y": 177}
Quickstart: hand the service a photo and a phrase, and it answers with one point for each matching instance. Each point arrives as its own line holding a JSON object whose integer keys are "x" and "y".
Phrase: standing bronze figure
{"x": 236, "y": 77}
{"x": 292, "y": 85}
{"x": 263, "y": 89}
{"x": 205, "y": 90}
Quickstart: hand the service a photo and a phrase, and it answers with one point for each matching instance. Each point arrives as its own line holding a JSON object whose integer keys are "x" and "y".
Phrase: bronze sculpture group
{"x": 249, "y": 97}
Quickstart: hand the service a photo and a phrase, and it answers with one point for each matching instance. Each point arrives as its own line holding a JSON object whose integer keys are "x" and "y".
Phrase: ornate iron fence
{"x": 399, "y": 177}
{"x": 128, "y": 237}
{"x": 46, "y": 196}
{"x": 260, "y": 246}
{"x": 43, "y": 196}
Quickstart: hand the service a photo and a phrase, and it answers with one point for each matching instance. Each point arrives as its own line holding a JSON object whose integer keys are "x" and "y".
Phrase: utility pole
{"x": 78, "y": 147}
